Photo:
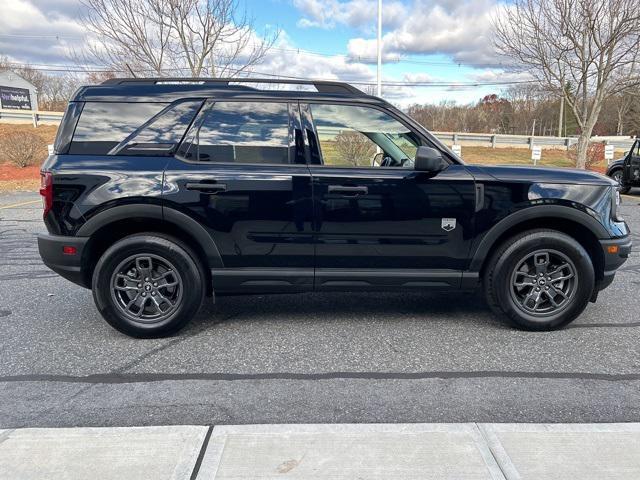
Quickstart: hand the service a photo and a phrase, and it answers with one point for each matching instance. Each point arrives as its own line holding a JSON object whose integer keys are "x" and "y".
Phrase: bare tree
{"x": 126, "y": 34}
{"x": 623, "y": 102}
{"x": 591, "y": 45}
{"x": 154, "y": 37}
{"x": 355, "y": 148}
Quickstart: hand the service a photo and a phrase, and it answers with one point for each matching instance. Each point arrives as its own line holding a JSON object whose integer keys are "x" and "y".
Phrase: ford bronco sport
{"x": 161, "y": 192}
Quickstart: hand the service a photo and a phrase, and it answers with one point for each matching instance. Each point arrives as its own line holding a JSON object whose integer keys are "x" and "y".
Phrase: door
{"x": 241, "y": 173}
{"x": 378, "y": 222}
{"x": 631, "y": 170}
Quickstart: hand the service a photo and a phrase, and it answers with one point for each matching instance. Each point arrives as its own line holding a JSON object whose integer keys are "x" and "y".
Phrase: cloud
{"x": 286, "y": 60}
{"x": 460, "y": 29}
{"x": 420, "y": 77}
{"x": 499, "y": 76}
{"x": 360, "y": 14}
{"x": 39, "y": 34}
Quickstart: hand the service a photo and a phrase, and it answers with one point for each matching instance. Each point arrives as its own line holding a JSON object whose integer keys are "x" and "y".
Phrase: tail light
{"x": 46, "y": 190}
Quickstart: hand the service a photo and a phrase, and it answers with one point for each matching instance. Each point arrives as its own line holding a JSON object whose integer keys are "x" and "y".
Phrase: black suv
{"x": 626, "y": 171}
{"x": 161, "y": 192}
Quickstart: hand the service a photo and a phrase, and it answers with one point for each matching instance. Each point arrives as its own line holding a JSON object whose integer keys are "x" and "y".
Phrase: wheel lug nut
{"x": 144, "y": 294}
{"x": 155, "y": 284}
{"x": 153, "y": 293}
{"x": 139, "y": 285}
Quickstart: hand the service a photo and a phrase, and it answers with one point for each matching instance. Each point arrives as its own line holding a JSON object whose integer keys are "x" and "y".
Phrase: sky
{"x": 425, "y": 41}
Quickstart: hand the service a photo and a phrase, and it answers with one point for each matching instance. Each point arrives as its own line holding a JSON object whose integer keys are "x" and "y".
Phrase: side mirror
{"x": 428, "y": 160}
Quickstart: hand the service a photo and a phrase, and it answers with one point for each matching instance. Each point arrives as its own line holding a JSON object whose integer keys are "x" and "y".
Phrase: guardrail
{"x": 497, "y": 140}
{"x": 454, "y": 138}
{"x": 35, "y": 117}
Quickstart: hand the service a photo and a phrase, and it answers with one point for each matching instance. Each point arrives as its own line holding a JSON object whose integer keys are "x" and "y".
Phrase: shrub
{"x": 595, "y": 155}
{"x": 22, "y": 148}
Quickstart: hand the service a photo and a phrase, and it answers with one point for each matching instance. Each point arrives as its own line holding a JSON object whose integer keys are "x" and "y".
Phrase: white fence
{"x": 451, "y": 138}
{"x": 528, "y": 141}
{"x": 30, "y": 116}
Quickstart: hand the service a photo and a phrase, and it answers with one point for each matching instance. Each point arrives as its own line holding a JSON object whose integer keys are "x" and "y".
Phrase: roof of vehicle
{"x": 171, "y": 89}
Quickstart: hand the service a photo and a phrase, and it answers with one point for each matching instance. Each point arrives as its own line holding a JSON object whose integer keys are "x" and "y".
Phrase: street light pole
{"x": 379, "y": 73}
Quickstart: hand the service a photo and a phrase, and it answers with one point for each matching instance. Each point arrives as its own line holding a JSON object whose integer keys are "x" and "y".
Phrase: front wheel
{"x": 539, "y": 280}
{"x": 148, "y": 285}
{"x": 617, "y": 176}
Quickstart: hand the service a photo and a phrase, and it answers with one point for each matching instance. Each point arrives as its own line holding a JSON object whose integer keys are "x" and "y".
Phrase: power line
{"x": 26, "y": 35}
{"x": 61, "y": 68}
{"x": 399, "y": 59}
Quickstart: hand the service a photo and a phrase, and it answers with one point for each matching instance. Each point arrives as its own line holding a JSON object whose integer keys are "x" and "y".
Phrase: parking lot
{"x": 306, "y": 358}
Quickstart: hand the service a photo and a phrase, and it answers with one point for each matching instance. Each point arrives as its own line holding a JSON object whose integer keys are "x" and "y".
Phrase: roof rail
{"x": 322, "y": 86}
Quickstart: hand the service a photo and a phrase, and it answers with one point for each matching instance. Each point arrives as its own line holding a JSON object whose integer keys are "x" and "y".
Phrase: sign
{"x": 15, "y": 98}
{"x": 457, "y": 149}
{"x": 536, "y": 153}
{"x": 608, "y": 152}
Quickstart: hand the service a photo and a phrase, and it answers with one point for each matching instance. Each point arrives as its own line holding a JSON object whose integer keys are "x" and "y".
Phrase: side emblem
{"x": 448, "y": 224}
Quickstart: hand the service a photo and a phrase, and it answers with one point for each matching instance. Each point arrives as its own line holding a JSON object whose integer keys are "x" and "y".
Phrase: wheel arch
{"x": 585, "y": 229}
{"x": 118, "y": 222}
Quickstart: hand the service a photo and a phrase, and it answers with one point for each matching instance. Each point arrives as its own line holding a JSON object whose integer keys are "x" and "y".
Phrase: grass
{"x": 515, "y": 156}
{"x": 489, "y": 156}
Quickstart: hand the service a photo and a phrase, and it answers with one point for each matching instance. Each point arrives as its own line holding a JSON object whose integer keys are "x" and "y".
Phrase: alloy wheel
{"x": 146, "y": 288}
{"x": 543, "y": 283}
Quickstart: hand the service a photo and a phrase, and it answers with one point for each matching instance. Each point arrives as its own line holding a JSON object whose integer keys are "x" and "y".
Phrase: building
{"x": 16, "y": 93}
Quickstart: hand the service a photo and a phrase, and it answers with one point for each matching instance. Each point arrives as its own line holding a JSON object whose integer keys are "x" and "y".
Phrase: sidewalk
{"x": 405, "y": 451}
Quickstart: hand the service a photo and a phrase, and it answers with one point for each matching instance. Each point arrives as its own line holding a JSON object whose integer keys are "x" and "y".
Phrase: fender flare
{"x": 529, "y": 213}
{"x": 157, "y": 213}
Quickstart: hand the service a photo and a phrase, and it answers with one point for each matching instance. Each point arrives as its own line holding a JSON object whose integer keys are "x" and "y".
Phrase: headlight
{"x": 615, "y": 202}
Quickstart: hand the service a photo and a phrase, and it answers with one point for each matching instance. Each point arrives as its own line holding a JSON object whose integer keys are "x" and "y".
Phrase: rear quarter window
{"x": 132, "y": 128}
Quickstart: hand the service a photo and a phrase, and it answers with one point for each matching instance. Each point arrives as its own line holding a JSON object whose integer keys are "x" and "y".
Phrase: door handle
{"x": 206, "y": 187}
{"x": 346, "y": 190}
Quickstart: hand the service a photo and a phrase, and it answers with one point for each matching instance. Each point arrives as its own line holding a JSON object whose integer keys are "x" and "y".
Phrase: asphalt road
{"x": 306, "y": 358}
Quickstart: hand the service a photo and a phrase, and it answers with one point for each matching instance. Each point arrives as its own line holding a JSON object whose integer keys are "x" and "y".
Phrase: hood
{"x": 545, "y": 175}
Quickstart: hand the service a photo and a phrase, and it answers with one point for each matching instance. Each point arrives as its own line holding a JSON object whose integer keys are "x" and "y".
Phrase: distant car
{"x": 626, "y": 171}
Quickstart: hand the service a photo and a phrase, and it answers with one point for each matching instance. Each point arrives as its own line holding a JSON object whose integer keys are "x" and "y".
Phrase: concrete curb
{"x": 337, "y": 451}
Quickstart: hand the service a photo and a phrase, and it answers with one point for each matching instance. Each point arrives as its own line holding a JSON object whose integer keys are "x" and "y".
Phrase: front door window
{"x": 353, "y": 136}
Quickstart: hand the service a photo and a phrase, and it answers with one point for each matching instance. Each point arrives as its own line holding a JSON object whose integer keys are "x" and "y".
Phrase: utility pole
{"x": 379, "y": 73}
{"x": 561, "y": 115}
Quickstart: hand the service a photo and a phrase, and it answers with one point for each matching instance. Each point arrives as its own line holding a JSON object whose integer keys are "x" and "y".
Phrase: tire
{"x": 617, "y": 176}
{"x": 126, "y": 295}
{"x": 513, "y": 272}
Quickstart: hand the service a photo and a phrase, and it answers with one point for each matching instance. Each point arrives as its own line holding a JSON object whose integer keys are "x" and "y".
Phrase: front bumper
{"x": 613, "y": 259}
{"x": 66, "y": 265}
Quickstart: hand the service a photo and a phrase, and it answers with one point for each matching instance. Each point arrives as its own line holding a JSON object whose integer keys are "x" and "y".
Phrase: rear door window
{"x": 240, "y": 132}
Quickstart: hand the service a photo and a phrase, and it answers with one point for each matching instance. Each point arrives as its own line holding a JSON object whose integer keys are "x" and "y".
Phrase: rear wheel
{"x": 617, "y": 176}
{"x": 148, "y": 285}
{"x": 539, "y": 280}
